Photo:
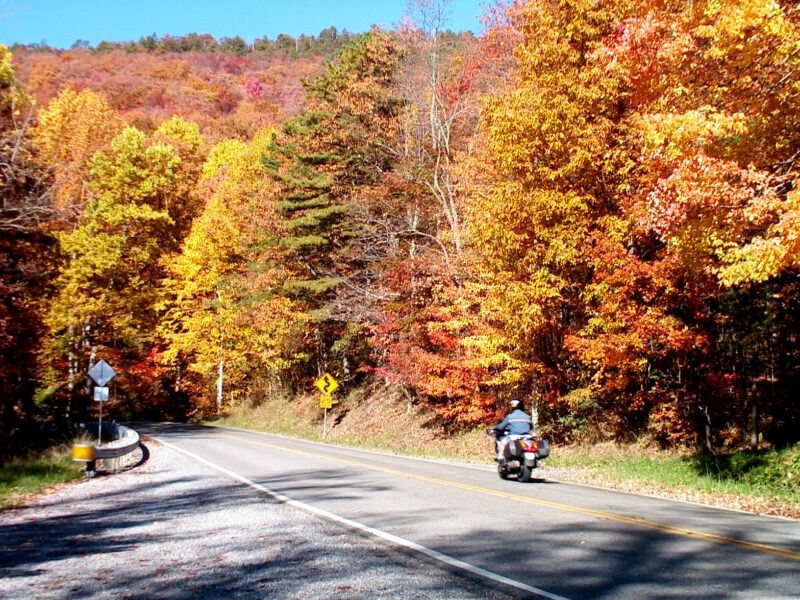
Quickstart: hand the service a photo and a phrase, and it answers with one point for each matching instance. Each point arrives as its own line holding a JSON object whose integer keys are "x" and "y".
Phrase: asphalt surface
{"x": 173, "y": 528}
{"x": 236, "y": 514}
{"x": 549, "y": 539}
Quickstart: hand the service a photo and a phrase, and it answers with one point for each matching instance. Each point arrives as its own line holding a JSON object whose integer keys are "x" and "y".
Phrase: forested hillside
{"x": 229, "y": 90}
{"x": 590, "y": 206}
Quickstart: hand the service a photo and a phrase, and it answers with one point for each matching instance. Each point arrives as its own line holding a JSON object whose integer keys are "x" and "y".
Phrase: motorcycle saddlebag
{"x": 512, "y": 450}
{"x": 544, "y": 449}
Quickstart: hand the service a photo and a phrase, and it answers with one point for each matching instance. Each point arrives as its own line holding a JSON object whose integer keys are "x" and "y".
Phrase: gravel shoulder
{"x": 172, "y": 528}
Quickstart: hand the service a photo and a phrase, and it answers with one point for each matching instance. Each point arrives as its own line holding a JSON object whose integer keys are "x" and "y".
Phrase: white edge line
{"x": 448, "y": 560}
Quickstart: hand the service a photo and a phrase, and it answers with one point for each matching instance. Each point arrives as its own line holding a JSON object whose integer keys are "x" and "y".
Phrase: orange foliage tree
{"x": 644, "y": 196}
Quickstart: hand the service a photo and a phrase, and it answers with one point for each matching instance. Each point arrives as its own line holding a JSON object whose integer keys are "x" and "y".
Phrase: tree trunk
{"x": 706, "y": 441}
{"x": 73, "y": 371}
{"x": 88, "y": 389}
{"x": 219, "y": 384}
{"x": 754, "y": 418}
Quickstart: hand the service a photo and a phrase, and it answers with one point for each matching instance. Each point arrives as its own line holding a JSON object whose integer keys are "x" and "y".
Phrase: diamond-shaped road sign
{"x": 102, "y": 373}
{"x": 326, "y": 384}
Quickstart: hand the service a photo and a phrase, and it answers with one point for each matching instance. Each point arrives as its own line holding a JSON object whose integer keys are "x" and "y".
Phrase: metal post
{"x": 100, "y": 427}
{"x": 325, "y": 425}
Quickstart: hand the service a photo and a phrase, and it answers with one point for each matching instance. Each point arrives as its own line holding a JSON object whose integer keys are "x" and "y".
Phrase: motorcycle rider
{"x": 515, "y": 425}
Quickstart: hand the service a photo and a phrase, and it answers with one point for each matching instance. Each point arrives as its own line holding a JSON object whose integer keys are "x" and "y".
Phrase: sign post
{"x": 102, "y": 373}
{"x": 327, "y": 385}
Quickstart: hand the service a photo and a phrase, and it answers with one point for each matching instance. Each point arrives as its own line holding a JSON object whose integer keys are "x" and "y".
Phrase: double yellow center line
{"x": 698, "y": 535}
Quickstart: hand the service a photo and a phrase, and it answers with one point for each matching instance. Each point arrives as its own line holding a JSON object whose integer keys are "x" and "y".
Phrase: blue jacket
{"x": 516, "y": 422}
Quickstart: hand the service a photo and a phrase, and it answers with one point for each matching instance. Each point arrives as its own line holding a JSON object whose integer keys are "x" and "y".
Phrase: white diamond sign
{"x": 102, "y": 373}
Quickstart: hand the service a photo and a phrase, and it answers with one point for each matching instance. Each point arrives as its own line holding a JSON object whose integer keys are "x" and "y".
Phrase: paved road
{"x": 544, "y": 539}
{"x": 172, "y": 528}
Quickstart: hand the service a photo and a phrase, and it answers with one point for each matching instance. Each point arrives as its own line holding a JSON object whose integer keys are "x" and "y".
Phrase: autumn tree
{"x": 324, "y": 160}
{"x": 26, "y": 258}
{"x": 434, "y": 109}
{"x": 68, "y": 133}
{"x": 108, "y": 286}
{"x": 533, "y": 221}
{"x": 717, "y": 181}
{"x": 429, "y": 335}
{"x": 643, "y": 191}
{"x": 214, "y": 330}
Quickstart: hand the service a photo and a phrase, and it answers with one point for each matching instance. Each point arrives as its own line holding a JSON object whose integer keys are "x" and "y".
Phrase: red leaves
{"x": 707, "y": 190}
{"x": 254, "y": 88}
{"x": 420, "y": 341}
{"x": 646, "y": 50}
{"x": 225, "y": 101}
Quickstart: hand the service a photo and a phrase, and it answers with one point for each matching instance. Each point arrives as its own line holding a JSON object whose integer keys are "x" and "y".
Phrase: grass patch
{"x": 285, "y": 417}
{"x": 35, "y": 474}
{"x": 773, "y": 474}
{"x": 776, "y": 471}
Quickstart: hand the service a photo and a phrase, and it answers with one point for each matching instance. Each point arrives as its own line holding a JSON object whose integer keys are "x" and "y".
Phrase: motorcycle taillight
{"x": 530, "y": 446}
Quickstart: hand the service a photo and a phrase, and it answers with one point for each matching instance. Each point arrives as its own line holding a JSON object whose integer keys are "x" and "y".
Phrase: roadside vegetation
{"x": 377, "y": 420}
{"x": 766, "y": 472}
{"x": 764, "y": 482}
{"x": 36, "y": 473}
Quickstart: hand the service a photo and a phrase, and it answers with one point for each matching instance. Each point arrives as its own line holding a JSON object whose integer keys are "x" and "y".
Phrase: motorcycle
{"x": 520, "y": 456}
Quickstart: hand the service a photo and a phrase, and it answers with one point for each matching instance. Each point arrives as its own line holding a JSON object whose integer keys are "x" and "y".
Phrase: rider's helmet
{"x": 515, "y": 403}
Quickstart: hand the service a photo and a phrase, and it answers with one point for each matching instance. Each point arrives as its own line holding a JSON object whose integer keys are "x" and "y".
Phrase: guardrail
{"x": 126, "y": 440}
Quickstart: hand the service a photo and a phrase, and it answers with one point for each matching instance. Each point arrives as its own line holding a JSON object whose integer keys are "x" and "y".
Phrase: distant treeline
{"x": 328, "y": 42}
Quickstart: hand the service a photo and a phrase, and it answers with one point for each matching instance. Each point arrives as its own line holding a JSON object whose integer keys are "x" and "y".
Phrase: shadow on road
{"x": 193, "y": 537}
{"x": 205, "y": 537}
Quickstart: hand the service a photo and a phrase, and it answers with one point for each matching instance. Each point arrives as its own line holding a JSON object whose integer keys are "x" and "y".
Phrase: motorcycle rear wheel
{"x": 525, "y": 473}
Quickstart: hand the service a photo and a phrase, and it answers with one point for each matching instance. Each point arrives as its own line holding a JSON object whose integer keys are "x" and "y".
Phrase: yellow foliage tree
{"x": 69, "y": 131}
{"x": 642, "y": 161}
{"x": 205, "y": 325}
{"x": 542, "y": 178}
{"x": 107, "y": 289}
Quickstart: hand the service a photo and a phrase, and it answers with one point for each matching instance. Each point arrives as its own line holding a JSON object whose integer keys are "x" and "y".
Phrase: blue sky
{"x": 61, "y": 22}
